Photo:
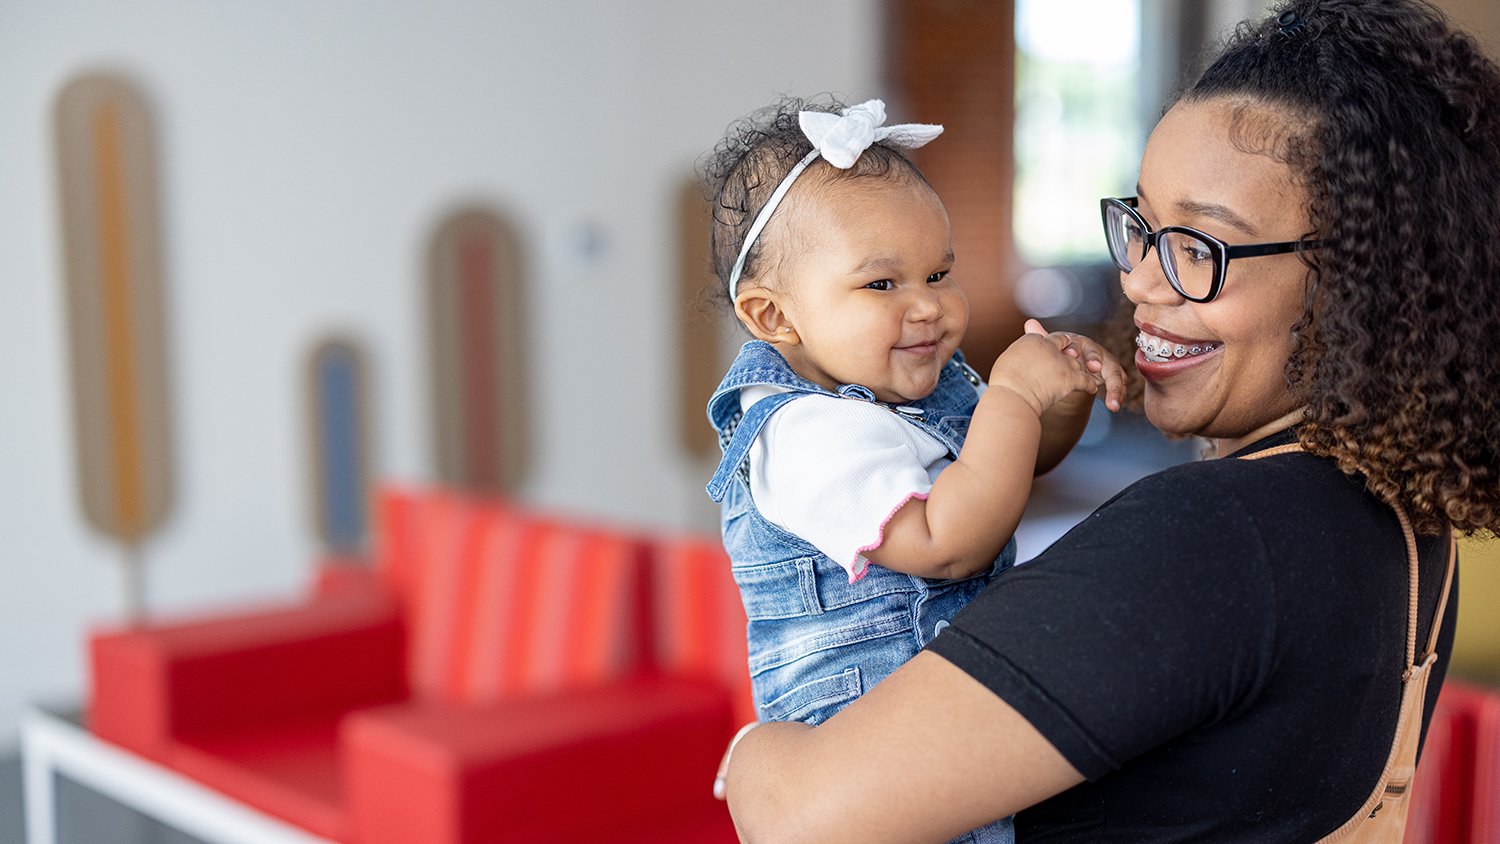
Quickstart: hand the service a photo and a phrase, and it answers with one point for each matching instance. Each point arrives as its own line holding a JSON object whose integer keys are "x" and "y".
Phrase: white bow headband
{"x": 839, "y": 140}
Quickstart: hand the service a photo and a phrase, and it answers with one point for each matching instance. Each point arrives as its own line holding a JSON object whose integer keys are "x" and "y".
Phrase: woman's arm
{"x": 927, "y": 754}
{"x": 1063, "y": 423}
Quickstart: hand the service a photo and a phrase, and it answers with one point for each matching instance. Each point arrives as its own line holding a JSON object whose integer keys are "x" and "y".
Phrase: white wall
{"x": 306, "y": 151}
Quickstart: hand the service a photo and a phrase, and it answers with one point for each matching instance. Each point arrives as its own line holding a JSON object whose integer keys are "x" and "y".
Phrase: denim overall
{"x": 816, "y": 640}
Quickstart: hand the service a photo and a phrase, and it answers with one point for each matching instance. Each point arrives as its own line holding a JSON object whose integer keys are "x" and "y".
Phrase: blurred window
{"x": 1079, "y": 123}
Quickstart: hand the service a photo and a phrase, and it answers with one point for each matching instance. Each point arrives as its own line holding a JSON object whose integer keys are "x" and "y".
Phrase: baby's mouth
{"x": 923, "y": 347}
{"x": 1160, "y": 350}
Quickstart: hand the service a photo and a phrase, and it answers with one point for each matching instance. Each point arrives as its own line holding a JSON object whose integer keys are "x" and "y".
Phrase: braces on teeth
{"x": 1158, "y": 350}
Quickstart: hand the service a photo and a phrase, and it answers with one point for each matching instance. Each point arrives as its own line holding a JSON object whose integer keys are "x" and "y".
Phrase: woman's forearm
{"x": 926, "y": 755}
{"x": 1062, "y": 428}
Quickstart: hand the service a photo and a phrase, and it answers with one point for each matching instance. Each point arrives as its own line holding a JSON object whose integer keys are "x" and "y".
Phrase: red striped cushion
{"x": 503, "y": 601}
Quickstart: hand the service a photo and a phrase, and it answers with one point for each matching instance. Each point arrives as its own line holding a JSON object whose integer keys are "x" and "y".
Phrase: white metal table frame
{"x": 54, "y": 741}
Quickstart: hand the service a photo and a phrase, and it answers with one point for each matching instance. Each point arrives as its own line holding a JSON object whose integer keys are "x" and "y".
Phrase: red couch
{"x": 497, "y": 675}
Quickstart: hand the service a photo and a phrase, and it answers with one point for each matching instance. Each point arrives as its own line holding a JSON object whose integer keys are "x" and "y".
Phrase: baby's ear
{"x": 760, "y": 311}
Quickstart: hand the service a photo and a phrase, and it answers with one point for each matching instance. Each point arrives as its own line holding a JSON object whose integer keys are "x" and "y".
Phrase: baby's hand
{"x": 1096, "y": 359}
{"x": 1039, "y": 368}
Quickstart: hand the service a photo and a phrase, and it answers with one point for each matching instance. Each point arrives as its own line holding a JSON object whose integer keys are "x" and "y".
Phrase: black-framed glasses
{"x": 1194, "y": 262}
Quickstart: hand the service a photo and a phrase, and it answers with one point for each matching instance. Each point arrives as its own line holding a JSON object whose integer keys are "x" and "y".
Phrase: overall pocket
{"x": 815, "y": 701}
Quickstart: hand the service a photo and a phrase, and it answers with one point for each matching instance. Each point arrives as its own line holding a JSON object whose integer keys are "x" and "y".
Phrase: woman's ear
{"x": 761, "y": 312}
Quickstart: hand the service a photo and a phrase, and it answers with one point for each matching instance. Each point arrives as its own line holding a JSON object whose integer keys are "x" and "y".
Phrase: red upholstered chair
{"x": 1443, "y": 789}
{"x": 1456, "y": 795}
{"x": 1486, "y": 828}
{"x": 504, "y": 675}
{"x": 700, "y": 627}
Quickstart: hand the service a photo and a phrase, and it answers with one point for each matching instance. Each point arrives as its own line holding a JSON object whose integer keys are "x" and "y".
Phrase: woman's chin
{"x": 1171, "y": 417}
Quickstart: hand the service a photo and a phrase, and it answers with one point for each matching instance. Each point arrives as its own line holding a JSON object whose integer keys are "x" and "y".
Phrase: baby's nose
{"x": 925, "y": 304}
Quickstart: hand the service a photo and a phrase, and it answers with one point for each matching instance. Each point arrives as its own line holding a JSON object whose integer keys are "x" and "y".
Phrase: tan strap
{"x": 1437, "y": 620}
{"x": 1412, "y": 609}
{"x": 1382, "y": 818}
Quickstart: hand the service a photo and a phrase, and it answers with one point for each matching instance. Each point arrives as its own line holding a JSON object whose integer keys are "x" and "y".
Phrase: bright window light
{"x": 1078, "y": 134}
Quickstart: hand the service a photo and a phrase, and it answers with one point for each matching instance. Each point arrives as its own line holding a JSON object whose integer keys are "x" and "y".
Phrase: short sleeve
{"x": 833, "y": 471}
{"x": 1154, "y": 615}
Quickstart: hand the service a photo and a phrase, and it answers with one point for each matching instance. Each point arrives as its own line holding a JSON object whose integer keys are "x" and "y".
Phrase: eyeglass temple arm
{"x": 1252, "y": 250}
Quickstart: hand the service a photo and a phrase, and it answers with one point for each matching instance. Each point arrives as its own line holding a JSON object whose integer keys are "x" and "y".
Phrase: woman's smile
{"x": 1161, "y": 354}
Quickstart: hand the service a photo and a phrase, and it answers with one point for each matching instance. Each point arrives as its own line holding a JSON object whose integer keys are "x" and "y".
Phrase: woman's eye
{"x": 1133, "y": 232}
{"x": 1196, "y": 253}
{"x": 937, "y": 277}
{"x": 883, "y": 284}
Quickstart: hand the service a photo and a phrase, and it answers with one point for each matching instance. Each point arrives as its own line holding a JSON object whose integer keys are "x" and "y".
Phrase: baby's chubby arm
{"x": 976, "y": 502}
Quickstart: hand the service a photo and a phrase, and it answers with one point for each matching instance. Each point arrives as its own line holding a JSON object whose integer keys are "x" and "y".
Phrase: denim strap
{"x": 743, "y": 436}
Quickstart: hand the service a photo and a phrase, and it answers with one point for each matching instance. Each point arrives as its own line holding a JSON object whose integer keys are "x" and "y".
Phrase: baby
{"x": 871, "y": 480}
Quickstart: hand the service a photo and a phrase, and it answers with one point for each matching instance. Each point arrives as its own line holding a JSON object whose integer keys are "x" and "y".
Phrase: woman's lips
{"x": 1154, "y": 370}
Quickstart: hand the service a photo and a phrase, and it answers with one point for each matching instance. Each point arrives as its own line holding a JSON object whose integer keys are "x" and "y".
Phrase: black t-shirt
{"x": 1218, "y": 649}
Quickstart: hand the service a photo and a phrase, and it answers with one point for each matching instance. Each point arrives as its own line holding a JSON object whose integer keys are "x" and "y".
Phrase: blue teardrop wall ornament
{"x": 340, "y": 437}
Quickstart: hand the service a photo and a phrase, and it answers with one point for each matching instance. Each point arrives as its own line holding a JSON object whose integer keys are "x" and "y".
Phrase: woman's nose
{"x": 1147, "y": 283}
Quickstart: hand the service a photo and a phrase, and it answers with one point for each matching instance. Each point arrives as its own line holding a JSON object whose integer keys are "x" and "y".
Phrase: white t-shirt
{"x": 834, "y": 471}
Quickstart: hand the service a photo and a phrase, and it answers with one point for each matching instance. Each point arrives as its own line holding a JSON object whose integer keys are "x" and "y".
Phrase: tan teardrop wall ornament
{"x": 703, "y": 325}
{"x": 476, "y": 301}
{"x": 112, "y": 275}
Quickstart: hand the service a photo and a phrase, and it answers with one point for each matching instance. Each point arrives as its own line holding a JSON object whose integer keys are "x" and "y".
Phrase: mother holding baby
{"x": 1245, "y": 648}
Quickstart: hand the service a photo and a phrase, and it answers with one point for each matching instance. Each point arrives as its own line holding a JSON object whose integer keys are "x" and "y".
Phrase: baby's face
{"x": 867, "y": 289}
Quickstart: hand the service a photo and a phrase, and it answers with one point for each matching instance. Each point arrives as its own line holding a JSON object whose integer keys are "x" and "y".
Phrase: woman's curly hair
{"x": 744, "y": 169}
{"x": 1396, "y": 138}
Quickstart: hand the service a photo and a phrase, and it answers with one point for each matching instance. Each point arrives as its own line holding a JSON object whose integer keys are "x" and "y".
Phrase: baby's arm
{"x": 976, "y": 502}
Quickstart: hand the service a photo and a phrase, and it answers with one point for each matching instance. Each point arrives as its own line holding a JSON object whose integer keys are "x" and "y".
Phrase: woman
{"x": 1219, "y": 652}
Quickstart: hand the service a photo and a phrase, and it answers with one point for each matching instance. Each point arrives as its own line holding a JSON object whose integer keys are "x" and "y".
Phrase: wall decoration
{"x": 339, "y": 434}
{"x": 702, "y": 324}
{"x": 112, "y": 275}
{"x": 478, "y": 334}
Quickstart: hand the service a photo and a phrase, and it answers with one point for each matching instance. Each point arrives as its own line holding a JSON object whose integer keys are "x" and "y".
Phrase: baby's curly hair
{"x": 742, "y": 172}
{"x": 1395, "y": 134}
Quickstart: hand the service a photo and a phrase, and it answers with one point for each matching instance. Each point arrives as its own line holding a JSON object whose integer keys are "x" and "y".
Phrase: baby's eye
{"x": 882, "y": 284}
{"x": 937, "y": 277}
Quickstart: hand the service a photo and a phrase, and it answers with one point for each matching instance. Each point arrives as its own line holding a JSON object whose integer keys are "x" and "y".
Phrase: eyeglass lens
{"x": 1190, "y": 262}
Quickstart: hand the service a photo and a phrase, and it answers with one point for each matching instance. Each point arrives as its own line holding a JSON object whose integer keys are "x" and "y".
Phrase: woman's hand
{"x": 1098, "y": 360}
{"x": 721, "y": 777}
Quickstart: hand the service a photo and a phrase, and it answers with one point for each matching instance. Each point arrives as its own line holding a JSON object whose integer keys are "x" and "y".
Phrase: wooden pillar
{"x": 953, "y": 62}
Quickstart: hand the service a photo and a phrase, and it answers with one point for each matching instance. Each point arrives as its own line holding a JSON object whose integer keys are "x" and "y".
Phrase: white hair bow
{"x": 839, "y": 139}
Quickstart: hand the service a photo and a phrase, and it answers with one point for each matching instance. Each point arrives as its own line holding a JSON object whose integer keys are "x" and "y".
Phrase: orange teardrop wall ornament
{"x": 112, "y": 274}
{"x": 475, "y": 306}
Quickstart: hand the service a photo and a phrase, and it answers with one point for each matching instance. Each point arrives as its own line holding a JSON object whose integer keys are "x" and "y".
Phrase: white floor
{"x": 83, "y": 817}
